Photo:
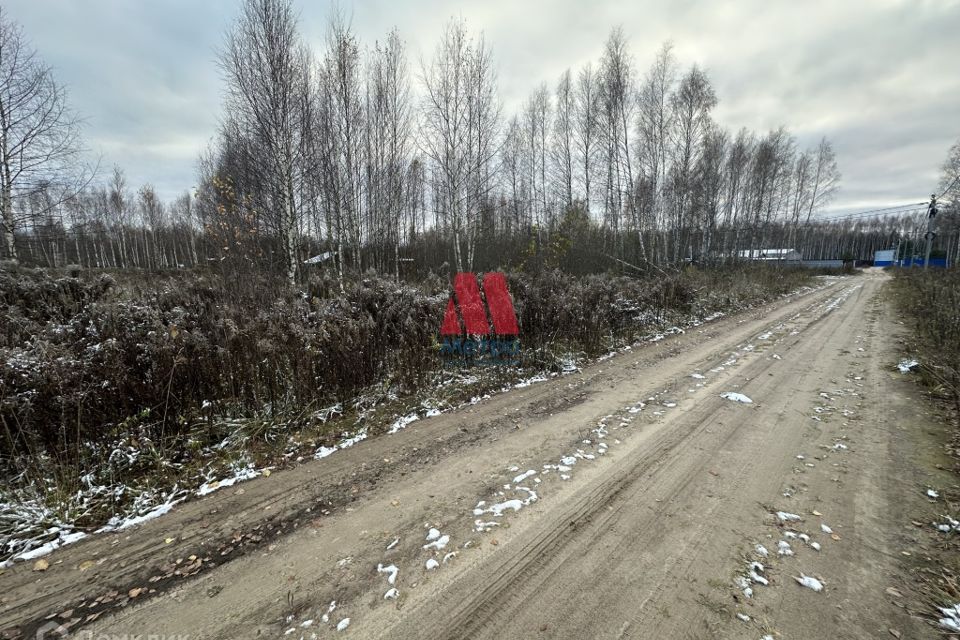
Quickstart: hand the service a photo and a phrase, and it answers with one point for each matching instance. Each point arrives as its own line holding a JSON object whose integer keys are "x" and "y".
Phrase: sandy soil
{"x": 643, "y": 524}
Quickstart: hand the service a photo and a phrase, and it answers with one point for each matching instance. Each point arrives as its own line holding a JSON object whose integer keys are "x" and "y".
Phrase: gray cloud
{"x": 876, "y": 76}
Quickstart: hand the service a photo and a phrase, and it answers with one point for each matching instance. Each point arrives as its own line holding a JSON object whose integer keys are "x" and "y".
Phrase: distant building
{"x": 774, "y": 255}
{"x": 883, "y": 258}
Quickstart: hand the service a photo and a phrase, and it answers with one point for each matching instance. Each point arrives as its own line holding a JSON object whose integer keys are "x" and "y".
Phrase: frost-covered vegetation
{"x": 930, "y": 300}
{"x": 123, "y": 392}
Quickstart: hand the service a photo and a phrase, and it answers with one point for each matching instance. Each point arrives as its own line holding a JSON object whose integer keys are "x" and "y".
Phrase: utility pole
{"x": 931, "y": 215}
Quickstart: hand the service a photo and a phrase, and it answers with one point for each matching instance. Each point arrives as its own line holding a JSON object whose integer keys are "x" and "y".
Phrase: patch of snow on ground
{"x": 523, "y": 476}
{"x": 391, "y": 571}
{"x": 535, "y": 379}
{"x": 240, "y": 474}
{"x": 736, "y": 397}
{"x": 905, "y": 366}
{"x": 754, "y": 571}
{"x": 498, "y": 509}
{"x": 64, "y": 539}
{"x": 323, "y": 452}
{"x": 785, "y": 516}
{"x": 402, "y": 422}
{"x": 809, "y": 583}
{"x": 439, "y": 543}
{"x": 117, "y": 523}
{"x": 951, "y": 617}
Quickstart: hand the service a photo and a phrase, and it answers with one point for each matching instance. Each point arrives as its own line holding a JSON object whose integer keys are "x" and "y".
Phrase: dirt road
{"x": 624, "y": 501}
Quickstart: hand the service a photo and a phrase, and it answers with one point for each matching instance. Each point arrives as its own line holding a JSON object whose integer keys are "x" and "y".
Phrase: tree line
{"x": 347, "y": 157}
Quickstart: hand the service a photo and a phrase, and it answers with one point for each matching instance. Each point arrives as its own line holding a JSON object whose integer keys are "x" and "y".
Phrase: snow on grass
{"x": 948, "y": 526}
{"x": 323, "y": 452}
{"x": 118, "y": 523}
{"x": 343, "y": 624}
{"x": 906, "y": 366}
{"x": 783, "y": 548}
{"x": 433, "y": 534}
{"x": 951, "y": 617}
{"x": 736, "y": 397}
{"x": 762, "y": 550}
{"x": 809, "y": 583}
{"x": 402, "y": 422}
{"x": 535, "y": 379}
{"x": 932, "y": 494}
{"x": 64, "y": 539}
{"x": 240, "y": 474}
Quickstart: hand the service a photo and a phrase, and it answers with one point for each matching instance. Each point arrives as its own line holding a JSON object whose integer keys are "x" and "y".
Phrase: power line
{"x": 869, "y": 212}
{"x": 949, "y": 187}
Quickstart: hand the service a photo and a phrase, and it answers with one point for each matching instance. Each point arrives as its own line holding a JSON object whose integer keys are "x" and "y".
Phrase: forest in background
{"x": 346, "y": 157}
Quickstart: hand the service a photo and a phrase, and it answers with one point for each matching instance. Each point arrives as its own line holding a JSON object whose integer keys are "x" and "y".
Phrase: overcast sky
{"x": 877, "y": 77}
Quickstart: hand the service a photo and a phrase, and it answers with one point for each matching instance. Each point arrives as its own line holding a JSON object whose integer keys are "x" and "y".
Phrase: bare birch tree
{"x": 266, "y": 69}
{"x": 388, "y": 141}
{"x": 460, "y": 119}
{"x": 585, "y": 129}
{"x": 40, "y": 146}
{"x": 562, "y": 140}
